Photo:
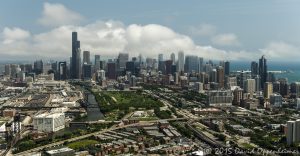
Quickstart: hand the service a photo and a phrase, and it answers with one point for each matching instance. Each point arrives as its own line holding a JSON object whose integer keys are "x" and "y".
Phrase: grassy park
{"x": 115, "y": 104}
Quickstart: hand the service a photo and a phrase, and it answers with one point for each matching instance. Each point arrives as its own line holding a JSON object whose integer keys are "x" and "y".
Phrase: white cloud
{"x": 108, "y": 39}
{"x": 229, "y": 39}
{"x": 57, "y": 14}
{"x": 153, "y": 39}
{"x": 11, "y": 35}
{"x": 281, "y": 51}
{"x": 203, "y": 30}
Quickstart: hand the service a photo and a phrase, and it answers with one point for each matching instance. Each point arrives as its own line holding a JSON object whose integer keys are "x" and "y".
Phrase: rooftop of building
{"x": 49, "y": 115}
{"x": 55, "y": 151}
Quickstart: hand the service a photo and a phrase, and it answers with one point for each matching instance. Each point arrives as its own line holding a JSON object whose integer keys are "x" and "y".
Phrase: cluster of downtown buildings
{"x": 223, "y": 87}
{"x": 252, "y": 89}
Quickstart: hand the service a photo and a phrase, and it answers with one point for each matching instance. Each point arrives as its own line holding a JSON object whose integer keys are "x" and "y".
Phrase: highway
{"x": 144, "y": 123}
{"x": 205, "y": 138}
{"x": 78, "y": 138}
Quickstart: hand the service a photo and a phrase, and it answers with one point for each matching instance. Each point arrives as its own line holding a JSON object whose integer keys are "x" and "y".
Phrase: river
{"x": 93, "y": 111}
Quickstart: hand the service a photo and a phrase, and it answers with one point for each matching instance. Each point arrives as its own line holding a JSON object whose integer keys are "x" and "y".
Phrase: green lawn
{"x": 247, "y": 146}
{"x": 82, "y": 144}
{"x": 124, "y": 101}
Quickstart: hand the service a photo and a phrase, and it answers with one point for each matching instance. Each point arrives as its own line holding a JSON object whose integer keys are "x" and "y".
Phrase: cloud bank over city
{"x": 109, "y": 37}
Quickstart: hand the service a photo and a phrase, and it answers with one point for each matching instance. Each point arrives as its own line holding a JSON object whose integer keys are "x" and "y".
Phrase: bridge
{"x": 93, "y": 122}
{"x": 179, "y": 119}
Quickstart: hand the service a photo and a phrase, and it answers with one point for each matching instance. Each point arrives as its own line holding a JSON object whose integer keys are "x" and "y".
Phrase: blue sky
{"x": 231, "y": 29}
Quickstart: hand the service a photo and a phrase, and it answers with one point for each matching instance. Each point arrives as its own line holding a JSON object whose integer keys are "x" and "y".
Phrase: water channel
{"x": 93, "y": 111}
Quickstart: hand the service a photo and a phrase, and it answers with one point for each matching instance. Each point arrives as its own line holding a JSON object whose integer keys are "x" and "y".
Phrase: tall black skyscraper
{"x": 263, "y": 73}
{"x": 76, "y": 62}
{"x": 254, "y": 68}
{"x": 227, "y": 68}
{"x": 38, "y": 67}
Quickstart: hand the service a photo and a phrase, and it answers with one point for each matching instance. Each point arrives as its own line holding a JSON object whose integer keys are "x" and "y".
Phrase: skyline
{"x": 108, "y": 34}
{"x": 198, "y": 77}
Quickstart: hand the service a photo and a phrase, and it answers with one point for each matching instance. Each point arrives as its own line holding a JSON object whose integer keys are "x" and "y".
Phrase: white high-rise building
{"x": 219, "y": 98}
{"x": 46, "y": 68}
{"x": 293, "y": 132}
{"x": 290, "y": 132}
{"x": 297, "y": 101}
{"x": 49, "y": 122}
{"x": 295, "y": 89}
{"x": 268, "y": 90}
{"x": 199, "y": 87}
{"x": 180, "y": 61}
{"x": 101, "y": 75}
{"x": 249, "y": 86}
{"x": 297, "y": 131}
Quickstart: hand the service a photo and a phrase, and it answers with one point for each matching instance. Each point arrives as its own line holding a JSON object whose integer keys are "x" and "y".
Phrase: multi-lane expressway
{"x": 144, "y": 123}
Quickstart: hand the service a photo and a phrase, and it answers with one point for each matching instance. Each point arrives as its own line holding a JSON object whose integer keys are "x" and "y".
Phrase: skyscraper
{"x": 111, "y": 70}
{"x": 237, "y": 96}
{"x": 268, "y": 90}
{"x": 291, "y": 126}
{"x": 97, "y": 63}
{"x": 160, "y": 57}
{"x": 227, "y": 68}
{"x": 295, "y": 89}
{"x": 249, "y": 86}
{"x": 168, "y": 67}
{"x": 257, "y": 83}
{"x": 150, "y": 62}
{"x": 47, "y": 67}
{"x": 7, "y": 70}
{"x": 276, "y": 100}
{"x": 213, "y": 75}
{"x": 76, "y": 60}
{"x": 87, "y": 71}
{"x": 130, "y": 66}
{"x": 62, "y": 70}
{"x": 161, "y": 63}
{"x": 37, "y": 66}
{"x": 180, "y": 61}
{"x": 254, "y": 68}
{"x": 293, "y": 132}
{"x": 263, "y": 73}
{"x": 284, "y": 87}
{"x": 220, "y": 76}
{"x": 191, "y": 64}
{"x": 200, "y": 66}
{"x": 86, "y": 57}
{"x": 122, "y": 59}
{"x": 173, "y": 58}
